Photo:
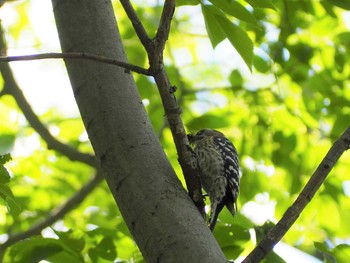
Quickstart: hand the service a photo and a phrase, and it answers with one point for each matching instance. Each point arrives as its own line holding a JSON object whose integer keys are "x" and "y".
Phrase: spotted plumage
{"x": 218, "y": 166}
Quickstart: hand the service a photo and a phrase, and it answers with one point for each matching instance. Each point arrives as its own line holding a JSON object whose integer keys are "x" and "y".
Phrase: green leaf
{"x": 4, "y": 175}
{"x": 66, "y": 256}
{"x": 13, "y": 206}
{"x": 340, "y": 124}
{"x": 261, "y": 231}
{"x": 100, "y": 231}
{"x": 260, "y": 64}
{"x": 342, "y": 253}
{"x": 236, "y": 79}
{"x": 273, "y": 257}
{"x": 239, "y": 39}
{"x": 231, "y": 238}
{"x": 5, "y": 158}
{"x": 105, "y": 249}
{"x": 146, "y": 88}
{"x": 235, "y": 9}
{"x": 340, "y": 3}
{"x": 6, "y": 142}
{"x": 261, "y": 4}
{"x": 343, "y": 38}
{"x": 209, "y": 121}
{"x": 71, "y": 241}
{"x": 328, "y": 7}
{"x": 214, "y": 30}
{"x": 220, "y": 27}
{"x": 34, "y": 250}
{"x": 322, "y": 246}
{"x": 187, "y": 2}
{"x": 5, "y": 191}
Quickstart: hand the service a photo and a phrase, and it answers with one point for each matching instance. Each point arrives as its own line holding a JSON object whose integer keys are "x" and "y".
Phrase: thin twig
{"x": 293, "y": 212}
{"x": 88, "y": 56}
{"x": 54, "y": 215}
{"x": 164, "y": 25}
{"x": 136, "y": 23}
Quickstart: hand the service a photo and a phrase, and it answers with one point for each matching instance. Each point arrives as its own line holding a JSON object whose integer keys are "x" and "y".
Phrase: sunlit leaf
{"x": 13, "y": 206}
{"x": 5, "y": 158}
{"x": 187, "y": 2}
{"x": 35, "y": 250}
{"x": 236, "y": 79}
{"x": 261, "y": 4}
{"x": 260, "y": 64}
{"x": 207, "y": 120}
{"x": 342, "y": 252}
{"x": 238, "y": 38}
{"x": 105, "y": 249}
{"x": 322, "y": 246}
{"x": 6, "y": 142}
{"x": 340, "y": 3}
{"x": 4, "y": 175}
{"x": 215, "y": 32}
{"x": 71, "y": 241}
{"x": 231, "y": 239}
{"x": 283, "y": 117}
{"x": 235, "y": 9}
{"x": 272, "y": 257}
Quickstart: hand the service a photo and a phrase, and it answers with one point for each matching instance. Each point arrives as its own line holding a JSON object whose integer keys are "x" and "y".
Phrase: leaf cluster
{"x": 282, "y": 119}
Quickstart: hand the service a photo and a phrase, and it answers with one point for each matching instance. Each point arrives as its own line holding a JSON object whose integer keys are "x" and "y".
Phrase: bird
{"x": 218, "y": 166}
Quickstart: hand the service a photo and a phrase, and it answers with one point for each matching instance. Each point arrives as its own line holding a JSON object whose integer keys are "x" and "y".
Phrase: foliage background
{"x": 283, "y": 117}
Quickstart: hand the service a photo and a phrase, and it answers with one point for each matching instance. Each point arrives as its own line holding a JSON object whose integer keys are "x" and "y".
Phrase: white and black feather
{"x": 217, "y": 161}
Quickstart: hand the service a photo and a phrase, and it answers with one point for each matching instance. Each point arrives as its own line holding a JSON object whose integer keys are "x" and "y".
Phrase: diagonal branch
{"x": 155, "y": 50}
{"x": 164, "y": 25}
{"x": 293, "y": 212}
{"x": 126, "y": 66}
{"x": 54, "y": 215}
{"x": 138, "y": 26}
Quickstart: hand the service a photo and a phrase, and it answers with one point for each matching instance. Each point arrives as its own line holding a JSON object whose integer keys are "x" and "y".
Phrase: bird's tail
{"x": 232, "y": 207}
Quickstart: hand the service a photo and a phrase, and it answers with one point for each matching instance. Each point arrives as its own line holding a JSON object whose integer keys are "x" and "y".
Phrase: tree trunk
{"x": 162, "y": 219}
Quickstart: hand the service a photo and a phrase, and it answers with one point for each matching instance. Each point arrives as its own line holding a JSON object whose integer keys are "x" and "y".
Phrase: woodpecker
{"x": 218, "y": 166}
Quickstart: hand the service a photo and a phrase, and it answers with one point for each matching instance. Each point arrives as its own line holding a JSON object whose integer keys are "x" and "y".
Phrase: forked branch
{"x": 155, "y": 49}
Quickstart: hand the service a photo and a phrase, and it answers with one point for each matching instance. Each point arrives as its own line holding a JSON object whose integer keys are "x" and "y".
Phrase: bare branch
{"x": 164, "y": 25}
{"x": 172, "y": 110}
{"x": 126, "y": 66}
{"x": 54, "y": 215}
{"x": 139, "y": 28}
{"x": 293, "y": 212}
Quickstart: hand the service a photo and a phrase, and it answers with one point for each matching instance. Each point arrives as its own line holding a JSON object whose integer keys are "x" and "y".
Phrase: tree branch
{"x": 164, "y": 25}
{"x": 54, "y": 215}
{"x": 136, "y": 23}
{"x": 172, "y": 109}
{"x": 293, "y": 212}
{"x": 155, "y": 50}
{"x": 126, "y": 66}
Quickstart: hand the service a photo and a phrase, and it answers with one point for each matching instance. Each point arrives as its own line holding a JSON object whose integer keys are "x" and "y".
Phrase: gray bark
{"x": 162, "y": 219}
